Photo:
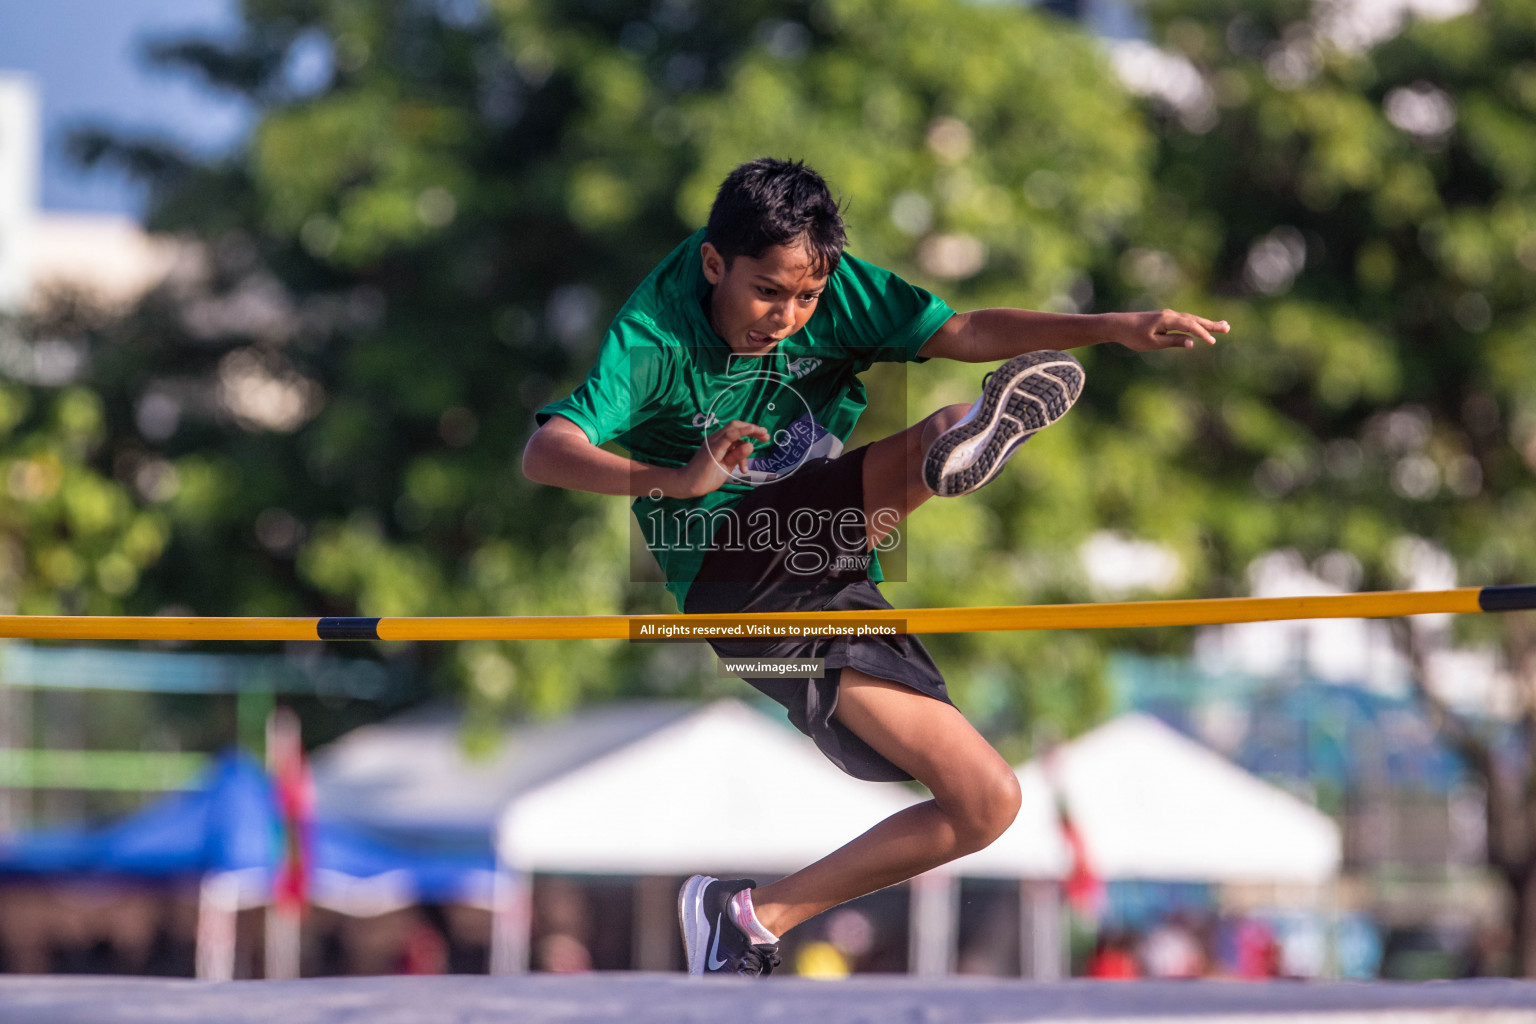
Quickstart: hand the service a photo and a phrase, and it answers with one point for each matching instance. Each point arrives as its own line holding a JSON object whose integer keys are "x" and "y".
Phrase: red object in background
{"x": 1084, "y": 888}
{"x": 1258, "y": 953}
{"x": 425, "y": 952}
{"x": 295, "y": 794}
{"x": 1113, "y": 963}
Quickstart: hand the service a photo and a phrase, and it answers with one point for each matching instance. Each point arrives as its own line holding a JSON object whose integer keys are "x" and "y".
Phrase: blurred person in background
{"x": 1257, "y": 951}
{"x": 1172, "y": 950}
{"x": 426, "y": 944}
{"x": 1114, "y": 957}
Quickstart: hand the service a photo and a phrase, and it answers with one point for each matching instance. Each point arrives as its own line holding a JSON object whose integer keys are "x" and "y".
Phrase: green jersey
{"x": 664, "y": 381}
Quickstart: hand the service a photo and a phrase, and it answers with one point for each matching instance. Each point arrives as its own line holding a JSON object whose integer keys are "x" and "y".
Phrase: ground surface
{"x": 671, "y": 999}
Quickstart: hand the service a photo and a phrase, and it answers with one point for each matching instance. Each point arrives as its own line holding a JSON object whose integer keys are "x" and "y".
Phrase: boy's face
{"x": 757, "y": 303}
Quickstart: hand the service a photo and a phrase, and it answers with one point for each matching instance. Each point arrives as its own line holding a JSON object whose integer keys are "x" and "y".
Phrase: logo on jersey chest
{"x": 800, "y": 367}
{"x": 769, "y": 398}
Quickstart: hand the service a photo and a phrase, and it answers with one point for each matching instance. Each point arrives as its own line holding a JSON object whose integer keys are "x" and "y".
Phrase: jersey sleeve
{"x": 880, "y": 317}
{"x": 622, "y": 390}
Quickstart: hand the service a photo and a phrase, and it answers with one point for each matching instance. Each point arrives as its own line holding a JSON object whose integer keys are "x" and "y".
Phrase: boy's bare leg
{"x": 893, "y": 470}
{"x": 975, "y": 798}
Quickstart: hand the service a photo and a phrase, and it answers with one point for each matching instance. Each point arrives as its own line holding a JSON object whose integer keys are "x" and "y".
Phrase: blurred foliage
{"x": 438, "y": 212}
{"x": 72, "y": 539}
{"x": 1366, "y": 213}
{"x": 1355, "y": 202}
{"x": 444, "y": 202}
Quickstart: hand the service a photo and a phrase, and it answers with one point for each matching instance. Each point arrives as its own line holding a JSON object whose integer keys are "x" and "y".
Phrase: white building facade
{"x": 20, "y": 158}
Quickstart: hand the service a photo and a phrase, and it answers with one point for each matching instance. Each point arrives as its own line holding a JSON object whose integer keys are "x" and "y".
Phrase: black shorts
{"x": 749, "y": 581}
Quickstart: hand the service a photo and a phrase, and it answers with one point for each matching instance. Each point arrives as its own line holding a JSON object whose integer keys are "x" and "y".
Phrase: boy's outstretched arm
{"x": 992, "y": 335}
{"x": 559, "y": 454}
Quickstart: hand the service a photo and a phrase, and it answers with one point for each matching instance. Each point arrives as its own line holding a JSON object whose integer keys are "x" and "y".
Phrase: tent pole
{"x": 655, "y": 932}
{"x": 1040, "y": 934}
{"x": 1332, "y": 900}
{"x": 282, "y": 944}
{"x": 931, "y": 945}
{"x": 511, "y": 921}
{"x": 285, "y": 763}
{"x": 217, "y": 903}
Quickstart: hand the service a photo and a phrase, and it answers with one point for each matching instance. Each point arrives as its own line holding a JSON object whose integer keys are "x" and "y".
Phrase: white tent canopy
{"x": 724, "y": 789}
{"x": 671, "y": 788}
{"x": 1151, "y": 804}
{"x": 413, "y": 773}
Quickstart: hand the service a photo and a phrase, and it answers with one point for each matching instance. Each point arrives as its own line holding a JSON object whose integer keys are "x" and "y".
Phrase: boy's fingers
{"x": 1180, "y": 338}
{"x": 1207, "y": 329}
{"x": 1193, "y": 327}
{"x": 737, "y": 429}
{"x": 740, "y": 444}
{"x": 1210, "y": 328}
{"x": 734, "y": 449}
{"x": 1174, "y": 324}
{"x": 1186, "y": 338}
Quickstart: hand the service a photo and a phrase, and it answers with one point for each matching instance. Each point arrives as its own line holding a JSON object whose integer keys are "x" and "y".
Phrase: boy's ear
{"x": 714, "y": 263}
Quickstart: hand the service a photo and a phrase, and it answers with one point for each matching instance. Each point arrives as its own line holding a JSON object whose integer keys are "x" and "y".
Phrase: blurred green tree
{"x": 441, "y": 206}
{"x": 1355, "y": 193}
{"x": 73, "y": 540}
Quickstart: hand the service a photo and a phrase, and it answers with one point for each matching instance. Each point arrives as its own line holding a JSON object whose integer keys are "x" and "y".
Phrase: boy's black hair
{"x": 777, "y": 202}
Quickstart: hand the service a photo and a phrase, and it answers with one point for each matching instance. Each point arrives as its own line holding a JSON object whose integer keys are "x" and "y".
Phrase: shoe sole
{"x": 690, "y": 916}
{"x": 1022, "y": 397}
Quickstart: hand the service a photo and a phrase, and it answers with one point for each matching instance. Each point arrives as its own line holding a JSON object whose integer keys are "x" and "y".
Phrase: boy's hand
{"x": 1152, "y": 332}
{"x": 723, "y": 451}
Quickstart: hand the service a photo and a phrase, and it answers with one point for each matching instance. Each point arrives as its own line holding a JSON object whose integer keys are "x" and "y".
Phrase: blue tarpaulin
{"x": 228, "y": 822}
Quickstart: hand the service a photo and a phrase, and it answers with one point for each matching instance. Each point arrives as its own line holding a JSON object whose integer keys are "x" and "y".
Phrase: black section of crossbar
{"x": 1507, "y": 599}
{"x": 344, "y": 627}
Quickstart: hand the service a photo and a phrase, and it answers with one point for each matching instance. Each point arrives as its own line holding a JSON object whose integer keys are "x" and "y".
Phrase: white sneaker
{"x": 1018, "y": 399}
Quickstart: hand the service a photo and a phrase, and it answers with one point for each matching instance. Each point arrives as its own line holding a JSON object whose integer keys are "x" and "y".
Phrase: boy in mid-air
{"x": 730, "y": 376}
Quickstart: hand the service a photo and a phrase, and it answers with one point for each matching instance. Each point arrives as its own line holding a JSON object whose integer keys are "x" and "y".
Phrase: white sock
{"x": 746, "y": 919}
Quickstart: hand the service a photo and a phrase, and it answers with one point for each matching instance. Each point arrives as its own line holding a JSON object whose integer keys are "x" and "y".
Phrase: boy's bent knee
{"x": 1004, "y": 800}
{"x": 988, "y": 806}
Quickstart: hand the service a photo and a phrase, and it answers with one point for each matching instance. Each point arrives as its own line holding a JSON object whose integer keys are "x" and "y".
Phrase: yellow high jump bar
{"x": 1202, "y": 612}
